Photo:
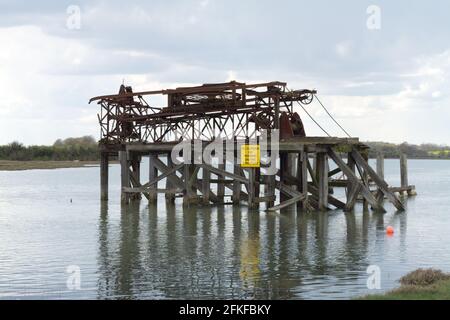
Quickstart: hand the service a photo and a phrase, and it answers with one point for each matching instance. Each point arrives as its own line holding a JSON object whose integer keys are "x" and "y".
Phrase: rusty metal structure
{"x": 152, "y": 123}
{"x": 204, "y": 112}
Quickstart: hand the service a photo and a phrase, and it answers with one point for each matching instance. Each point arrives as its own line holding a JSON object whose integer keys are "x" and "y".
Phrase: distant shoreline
{"x": 10, "y": 165}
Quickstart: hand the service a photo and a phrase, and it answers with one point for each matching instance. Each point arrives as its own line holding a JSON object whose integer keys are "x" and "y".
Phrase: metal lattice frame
{"x": 204, "y": 112}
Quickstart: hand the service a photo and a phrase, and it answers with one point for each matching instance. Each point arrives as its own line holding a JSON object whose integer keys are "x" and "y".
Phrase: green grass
{"x": 422, "y": 284}
{"x": 439, "y": 152}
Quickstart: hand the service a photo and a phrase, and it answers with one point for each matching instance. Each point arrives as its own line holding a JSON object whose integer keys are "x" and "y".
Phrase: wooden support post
{"x": 206, "y": 187}
{"x": 350, "y": 185}
{"x": 251, "y": 188}
{"x": 187, "y": 189}
{"x": 360, "y": 161}
{"x": 104, "y": 172}
{"x": 220, "y": 184}
{"x": 269, "y": 187}
{"x": 292, "y": 166}
{"x": 168, "y": 172}
{"x": 352, "y": 196}
{"x": 403, "y": 172}
{"x": 380, "y": 165}
{"x": 188, "y": 192}
{"x": 170, "y": 196}
{"x": 152, "y": 174}
{"x": 354, "y": 179}
{"x": 236, "y": 197}
{"x": 237, "y": 187}
{"x": 314, "y": 167}
{"x": 380, "y": 173}
{"x": 311, "y": 172}
{"x": 283, "y": 171}
{"x": 136, "y": 175}
{"x": 365, "y": 178}
{"x": 124, "y": 176}
{"x": 322, "y": 177}
{"x": 257, "y": 177}
{"x": 194, "y": 175}
{"x": 302, "y": 177}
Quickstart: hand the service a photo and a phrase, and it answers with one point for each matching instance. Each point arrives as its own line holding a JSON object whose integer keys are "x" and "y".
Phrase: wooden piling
{"x": 170, "y": 195}
{"x": 322, "y": 178}
{"x": 221, "y": 184}
{"x": 403, "y": 172}
{"x": 206, "y": 187}
{"x": 152, "y": 174}
{"x": 251, "y": 188}
{"x": 124, "y": 176}
{"x": 104, "y": 173}
{"x": 237, "y": 187}
{"x": 314, "y": 167}
{"x": 381, "y": 183}
{"x": 269, "y": 186}
{"x": 350, "y": 185}
{"x": 292, "y": 166}
{"x": 283, "y": 172}
{"x": 188, "y": 192}
{"x": 365, "y": 178}
{"x": 357, "y": 183}
{"x": 380, "y": 165}
{"x": 294, "y": 170}
{"x": 135, "y": 175}
{"x": 302, "y": 177}
{"x": 380, "y": 173}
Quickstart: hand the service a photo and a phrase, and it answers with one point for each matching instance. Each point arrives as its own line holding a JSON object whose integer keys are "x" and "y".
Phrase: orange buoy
{"x": 390, "y": 230}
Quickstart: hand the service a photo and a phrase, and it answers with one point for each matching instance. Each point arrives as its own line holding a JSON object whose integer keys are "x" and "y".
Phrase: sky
{"x": 382, "y": 68}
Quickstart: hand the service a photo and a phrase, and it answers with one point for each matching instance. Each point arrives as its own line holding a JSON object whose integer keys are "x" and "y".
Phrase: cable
{"x": 313, "y": 119}
{"x": 332, "y": 117}
{"x": 310, "y": 115}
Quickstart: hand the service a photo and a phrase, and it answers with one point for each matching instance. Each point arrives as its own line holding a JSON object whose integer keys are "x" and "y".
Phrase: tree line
{"x": 83, "y": 149}
{"x": 86, "y": 149}
{"x": 413, "y": 151}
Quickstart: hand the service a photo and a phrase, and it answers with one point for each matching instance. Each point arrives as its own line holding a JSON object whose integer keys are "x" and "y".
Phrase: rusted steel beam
{"x": 127, "y": 117}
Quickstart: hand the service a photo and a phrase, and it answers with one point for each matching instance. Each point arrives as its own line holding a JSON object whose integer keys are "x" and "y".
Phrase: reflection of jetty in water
{"x": 229, "y": 252}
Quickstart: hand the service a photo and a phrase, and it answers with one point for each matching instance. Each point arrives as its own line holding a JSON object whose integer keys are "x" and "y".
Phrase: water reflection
{"x": 231, "y": 252}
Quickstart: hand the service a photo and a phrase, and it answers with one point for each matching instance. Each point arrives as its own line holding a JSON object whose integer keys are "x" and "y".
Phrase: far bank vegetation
{"x": 86, "y": 149}
{"x": 82, "y": 149}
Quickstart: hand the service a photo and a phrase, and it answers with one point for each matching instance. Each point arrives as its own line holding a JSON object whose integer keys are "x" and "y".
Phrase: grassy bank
{"x": 422, "y": 284}
{"x": 7, "y": 165}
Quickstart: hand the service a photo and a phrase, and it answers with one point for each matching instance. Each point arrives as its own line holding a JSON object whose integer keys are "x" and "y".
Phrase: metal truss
{"x": 206, "y": 112}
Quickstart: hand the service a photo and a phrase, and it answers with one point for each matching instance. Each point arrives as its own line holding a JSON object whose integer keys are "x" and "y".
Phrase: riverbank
{"x": 422, "y": 284}
{"x": 8, "y": 165}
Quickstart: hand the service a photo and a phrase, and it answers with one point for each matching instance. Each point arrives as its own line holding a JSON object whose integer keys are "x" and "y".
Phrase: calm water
{"x": 140, "y": 252}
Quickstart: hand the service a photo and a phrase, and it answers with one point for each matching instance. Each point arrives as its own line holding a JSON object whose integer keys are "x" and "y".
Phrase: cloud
{"x": 343, "y": 49}
{"x": 394, "y": 80}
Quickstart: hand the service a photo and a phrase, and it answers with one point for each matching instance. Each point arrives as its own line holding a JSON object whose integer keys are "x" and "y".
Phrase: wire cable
{"x": 332, "y": 118}
{"x": 304, "y": 109}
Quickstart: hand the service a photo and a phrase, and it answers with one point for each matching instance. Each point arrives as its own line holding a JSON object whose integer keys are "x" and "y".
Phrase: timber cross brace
{"x": 297, "y": 181}
{"x": 235, "y": 112}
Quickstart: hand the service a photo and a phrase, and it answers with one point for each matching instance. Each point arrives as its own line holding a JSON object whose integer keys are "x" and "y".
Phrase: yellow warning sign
{"x": 250, "y": 156}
